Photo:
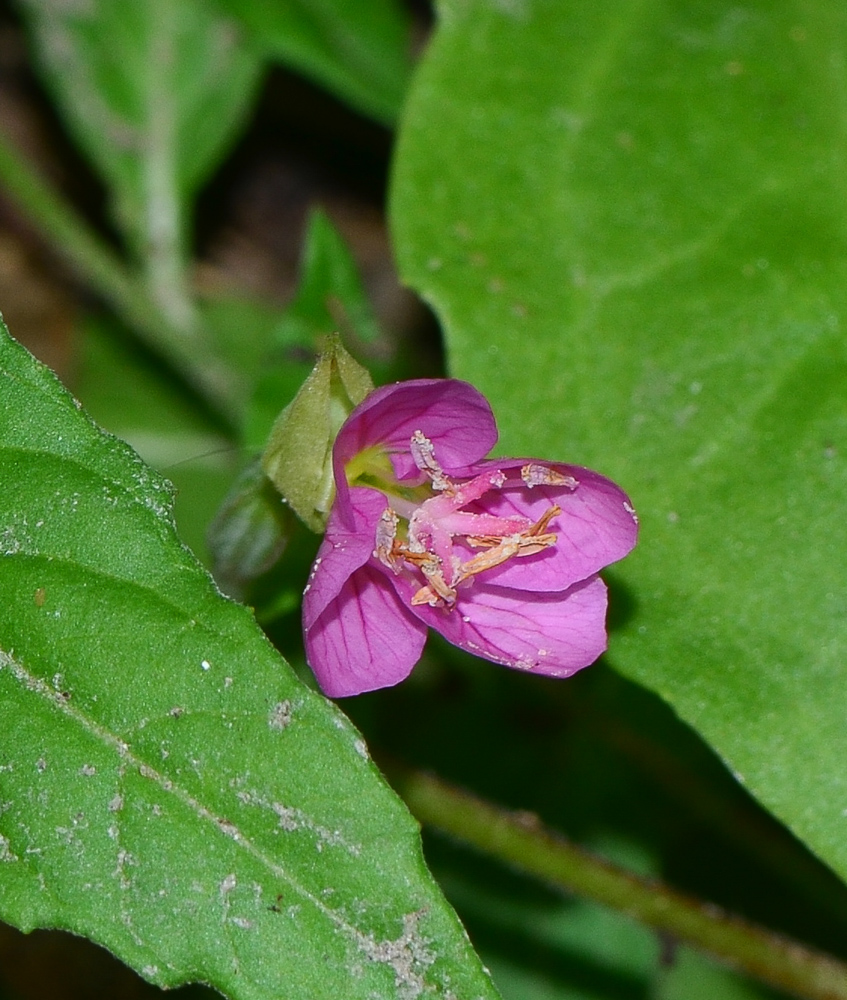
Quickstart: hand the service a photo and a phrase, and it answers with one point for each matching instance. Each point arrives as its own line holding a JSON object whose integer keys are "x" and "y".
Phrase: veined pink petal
{"x": 364, "y": 638}
{"x": 552, "y": 634}
{"x": 345, "y": 547}
{"x": 597, "y": 526}
{"x": 452, "y": 414}
{"x": 542, "y": 611}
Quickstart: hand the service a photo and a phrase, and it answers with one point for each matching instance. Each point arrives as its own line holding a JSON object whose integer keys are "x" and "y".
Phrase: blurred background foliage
{"x": 279, "y": 236}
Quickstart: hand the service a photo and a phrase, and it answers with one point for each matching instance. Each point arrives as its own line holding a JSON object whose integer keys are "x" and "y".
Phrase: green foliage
{"x": 128, "y": 393}
{"x": 330, "y": 299}
{"x": 690, "y": 976}
{"x": 540, "y": 945}
{"x": 154, "y": 92}
{"x": 358, "y": 51}
{"x": 330, "y": 296}
{"x": 635, "y": 206}
{"x": 170, "y": 789}
{"x": 609, "y": 765}
{"x": 625, "y": 216}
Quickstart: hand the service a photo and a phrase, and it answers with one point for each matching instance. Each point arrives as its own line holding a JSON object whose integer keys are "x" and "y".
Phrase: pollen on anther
{"x": 423, "y": 455}
{"x": 543, "y": 475}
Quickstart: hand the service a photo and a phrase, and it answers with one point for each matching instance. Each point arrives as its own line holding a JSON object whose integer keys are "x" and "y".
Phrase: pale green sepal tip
{"x": 298, "y": 457}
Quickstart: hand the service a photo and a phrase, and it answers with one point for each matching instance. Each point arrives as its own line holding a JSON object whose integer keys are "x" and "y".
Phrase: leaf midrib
{"x": 114, "y": 743}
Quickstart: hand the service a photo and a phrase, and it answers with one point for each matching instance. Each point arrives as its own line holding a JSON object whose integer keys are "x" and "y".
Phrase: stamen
{"x": 543, "y": 475}
{"x": 528, "y": 543}
{"x": 426, "y": 595}
{"x": 386, "y": 536}
{"x": 545, "y": 519}
{"x": 423, "y": 455}
{"x": 428, "y": 547}
{"x": 437, "y": 588}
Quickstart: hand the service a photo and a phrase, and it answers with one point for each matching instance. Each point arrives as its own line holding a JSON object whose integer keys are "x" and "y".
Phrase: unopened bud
{"x": 298, "y": 457}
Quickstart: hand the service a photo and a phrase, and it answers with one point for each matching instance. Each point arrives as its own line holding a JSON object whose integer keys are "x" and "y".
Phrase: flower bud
{"x": 248, "y": 533}
{"x": 298, "y": 457}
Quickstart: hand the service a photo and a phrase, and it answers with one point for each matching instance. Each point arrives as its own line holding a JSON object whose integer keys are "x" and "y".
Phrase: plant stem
{"x": 163, "y": 228}
{"x": 521, "y": 841}
{"x": 101, "y": 268}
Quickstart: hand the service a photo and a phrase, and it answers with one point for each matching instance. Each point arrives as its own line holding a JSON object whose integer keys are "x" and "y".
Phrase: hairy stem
{"x": 164, "y": 253}
{"x": 103, "y": 270}
{"x": 522, "y": 842}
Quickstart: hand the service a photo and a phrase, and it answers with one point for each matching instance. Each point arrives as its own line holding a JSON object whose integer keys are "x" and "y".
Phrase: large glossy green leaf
{"x": 629, "y": 216}
{"x": 154, "y": 91}
{"x": 359, "y": 51}
{"x": 169, "y": 788}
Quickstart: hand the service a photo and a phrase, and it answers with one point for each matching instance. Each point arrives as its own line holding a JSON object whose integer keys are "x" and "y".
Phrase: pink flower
{"x": 499, "y": 556}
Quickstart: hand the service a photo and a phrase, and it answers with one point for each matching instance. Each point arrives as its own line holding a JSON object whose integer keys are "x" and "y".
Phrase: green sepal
{"x": 298, "y": 457}
{"x": 249, "y": 532}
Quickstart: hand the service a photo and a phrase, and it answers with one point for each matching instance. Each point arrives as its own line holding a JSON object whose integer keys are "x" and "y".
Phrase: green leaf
{"x": 628, "y": 218}
{"x": 169, "y": 788}
{"x": 361, "y": 52}
{"x": 242, "y": 330}
{"x": 129, "y": 394}
{"x": 330, "y": 298}
{"x": 540, "y": 944}
{"x": 691, "y": 976}
{"x": 154, "y": 92}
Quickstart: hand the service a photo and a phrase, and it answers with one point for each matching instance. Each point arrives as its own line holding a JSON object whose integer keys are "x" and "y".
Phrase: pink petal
{"x": 345, "y": 547}
{"x": 365, "y": 638}
{"x": 452, "y": 414}
{"x": 597, "y": 527}
{"x": 553, "y": 634}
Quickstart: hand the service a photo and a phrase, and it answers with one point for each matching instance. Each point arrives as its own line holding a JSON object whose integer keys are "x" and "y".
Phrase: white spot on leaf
{"x": 280, "y": 716}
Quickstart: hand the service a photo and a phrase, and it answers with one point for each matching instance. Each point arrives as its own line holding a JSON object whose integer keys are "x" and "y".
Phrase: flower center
{"x": 422, "y": 536}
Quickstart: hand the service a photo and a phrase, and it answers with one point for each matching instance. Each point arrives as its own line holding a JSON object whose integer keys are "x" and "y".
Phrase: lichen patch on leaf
{"x": 409, "y": 955}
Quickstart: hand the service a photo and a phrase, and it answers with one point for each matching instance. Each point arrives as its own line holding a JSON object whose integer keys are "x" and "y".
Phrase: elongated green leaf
{"x": 629, "y": 217}
{"x": 330, "y": 299}
{"x": 169, "y": 789}
{"x": 154, "y": 92}
{"x": 358, "y": 51}
{"x": 691, "y": 976}
{"x": 542, "y": 945}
